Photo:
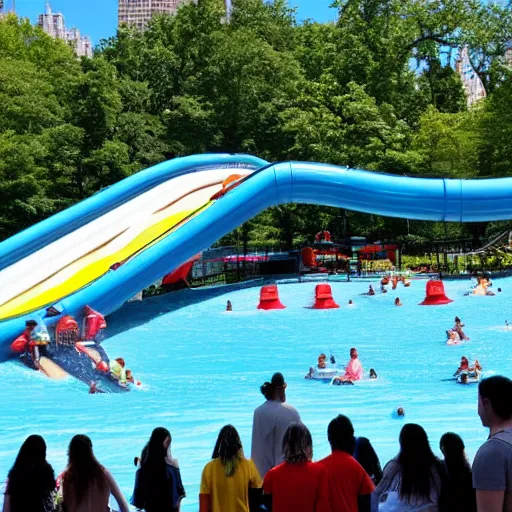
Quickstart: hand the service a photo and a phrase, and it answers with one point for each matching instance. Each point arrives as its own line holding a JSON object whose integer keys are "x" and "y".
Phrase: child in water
{"x": 130, "y": 378}
{"x": 398, "y": 302}
{"x": 229, "y": 306}
{"x": 117, "y": 370}
{"x": 322, "y": 364}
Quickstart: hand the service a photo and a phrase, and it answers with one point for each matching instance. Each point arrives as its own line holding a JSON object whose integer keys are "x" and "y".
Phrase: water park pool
{"x": 202, "y": 367}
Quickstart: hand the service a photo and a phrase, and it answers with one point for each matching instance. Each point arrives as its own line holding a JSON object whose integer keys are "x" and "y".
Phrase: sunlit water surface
{"x": 202, "y": 368}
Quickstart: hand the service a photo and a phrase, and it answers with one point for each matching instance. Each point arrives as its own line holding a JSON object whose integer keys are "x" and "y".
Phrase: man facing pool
{"x": 271, "y": 420}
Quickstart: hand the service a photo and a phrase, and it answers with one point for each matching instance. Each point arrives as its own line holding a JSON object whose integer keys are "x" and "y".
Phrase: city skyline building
{"x": 81, "y": 44}
{"x": 138, "y": 13}
{"x": 473, "y": 86}
{"x": 7, "y": 6}
{"x": 54, "y": 25}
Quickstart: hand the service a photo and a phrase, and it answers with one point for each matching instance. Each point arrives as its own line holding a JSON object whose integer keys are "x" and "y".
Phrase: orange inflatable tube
{"x": 228, "y": 184}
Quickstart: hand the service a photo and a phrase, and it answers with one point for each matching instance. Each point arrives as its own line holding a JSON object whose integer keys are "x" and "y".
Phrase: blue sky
{"x": 98, "y": 18}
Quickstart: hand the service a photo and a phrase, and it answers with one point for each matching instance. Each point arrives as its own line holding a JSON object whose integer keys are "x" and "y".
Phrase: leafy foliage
{"x": 377, "y": 89}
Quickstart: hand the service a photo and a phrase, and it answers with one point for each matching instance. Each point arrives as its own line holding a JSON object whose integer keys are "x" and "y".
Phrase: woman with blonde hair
{"x": 228, "y": 478}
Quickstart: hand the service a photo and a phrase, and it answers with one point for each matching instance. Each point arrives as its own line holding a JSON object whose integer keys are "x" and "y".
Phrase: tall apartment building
{"x": 473, "y": 86}
{"x": 81, "y": 44}
{"x": 137, "y": 13}
{"x": 508, "y": 56}
{"x": 53, "y": 24}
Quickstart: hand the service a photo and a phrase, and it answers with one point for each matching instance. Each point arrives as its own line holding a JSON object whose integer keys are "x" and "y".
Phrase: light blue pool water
{"x": 202, "y": 368}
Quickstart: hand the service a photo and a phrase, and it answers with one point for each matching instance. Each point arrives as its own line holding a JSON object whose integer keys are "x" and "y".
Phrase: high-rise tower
{"x": 137, "y": 13}
{"x": 53, "y": 24}
{"x": 472, "y": 83}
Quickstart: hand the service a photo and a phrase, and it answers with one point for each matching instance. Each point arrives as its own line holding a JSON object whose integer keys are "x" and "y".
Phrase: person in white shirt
{"x": 271, "y": 420}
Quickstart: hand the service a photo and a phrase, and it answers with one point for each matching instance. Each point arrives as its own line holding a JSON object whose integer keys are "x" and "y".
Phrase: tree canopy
{"x": 376, "y": 89}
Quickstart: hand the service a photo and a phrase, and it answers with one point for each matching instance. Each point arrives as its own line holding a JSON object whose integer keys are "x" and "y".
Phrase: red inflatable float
{"x": 435, "y": 294}
{"x": 323, "y": 236}
{"x": 269, "y": 298}
{"x": 323, "y": 297}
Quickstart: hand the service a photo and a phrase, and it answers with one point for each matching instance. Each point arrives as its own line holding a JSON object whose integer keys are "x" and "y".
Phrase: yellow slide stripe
{"x": 88, "y": 268}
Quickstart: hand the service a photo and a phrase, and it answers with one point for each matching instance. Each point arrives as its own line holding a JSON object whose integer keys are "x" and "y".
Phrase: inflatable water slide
{"x": 101, "y": 252}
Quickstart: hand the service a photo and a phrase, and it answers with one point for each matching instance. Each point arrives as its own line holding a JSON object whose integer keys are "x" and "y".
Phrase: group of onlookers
{"x": 281, "y": 476}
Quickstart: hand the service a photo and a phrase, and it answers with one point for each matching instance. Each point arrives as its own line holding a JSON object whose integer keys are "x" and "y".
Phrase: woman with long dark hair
{"x": 297, "y": 484}
{"x": 158, "y": 485}
{"x": 31, "y": 480}
{"x": 461, "y": 494}
{"x": 415, "y": 479}
{"x": 86, "y": 484}
{"x": 228, "y": 478}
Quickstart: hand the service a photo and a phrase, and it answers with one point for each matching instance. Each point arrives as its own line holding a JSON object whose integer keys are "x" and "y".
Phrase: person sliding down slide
{"x": 354, "y": 369}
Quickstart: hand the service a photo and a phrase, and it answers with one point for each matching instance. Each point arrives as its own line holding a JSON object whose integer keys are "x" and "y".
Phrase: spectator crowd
{"x": 281, "y": 476}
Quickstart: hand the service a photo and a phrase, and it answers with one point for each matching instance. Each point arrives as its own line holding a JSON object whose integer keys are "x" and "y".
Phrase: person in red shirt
{"x": 297, "y": 484}
{"x": 350, "y": 487}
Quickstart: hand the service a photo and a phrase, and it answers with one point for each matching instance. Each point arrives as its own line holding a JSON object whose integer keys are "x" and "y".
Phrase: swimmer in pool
{"x": 383, "y": 289}
{"x": 229, "y": 306}
{"x": 354, "y": 369}
{"x": 400, "y": 411}
{"x": 350, "y": 302}
{"x": 476, "y": 370}
{"x": 463, "y": 379}
{"x": 322, "y": 362}
{"x": 463, "y": 367}
{"x": 371, "y": 291}
{"x": 458, "y": 329}
{"x": 373, "y": 374}
{"x": 398, "y": 302}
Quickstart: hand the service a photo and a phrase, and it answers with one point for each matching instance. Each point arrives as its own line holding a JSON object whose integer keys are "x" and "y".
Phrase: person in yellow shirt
{"x": 229, "y": 478}
{"x": 117, "y": 370}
